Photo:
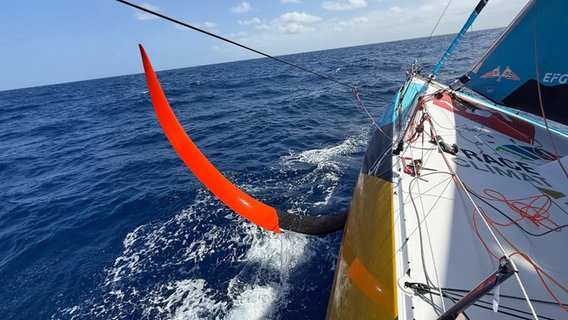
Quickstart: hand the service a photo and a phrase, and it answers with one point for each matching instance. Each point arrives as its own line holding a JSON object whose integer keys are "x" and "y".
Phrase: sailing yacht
{"x": 461, "y": 206}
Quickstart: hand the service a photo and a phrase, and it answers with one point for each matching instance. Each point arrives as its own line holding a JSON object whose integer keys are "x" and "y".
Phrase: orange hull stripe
{"x": 370, "y": 285}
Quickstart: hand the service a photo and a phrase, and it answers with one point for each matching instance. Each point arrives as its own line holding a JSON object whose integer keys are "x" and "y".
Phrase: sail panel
{"x": 508, "y": 73}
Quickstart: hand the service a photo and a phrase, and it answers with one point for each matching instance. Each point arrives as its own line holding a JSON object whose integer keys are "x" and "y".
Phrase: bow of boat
{"x": 451, "y": 187}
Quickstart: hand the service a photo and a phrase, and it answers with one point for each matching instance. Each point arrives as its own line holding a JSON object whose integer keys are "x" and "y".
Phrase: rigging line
{"x": 489, "y": 306}
{"x": 476, "y": 208}
{"x": 459, "y": 36}
{"x": 456, "y": 294}
{"x": 507, "y": 296}
{"x": 537, "y": 268}
{"x": 374, "y": 122}
{"x": 401, "y": 136}
{"x": 527, "y": 258}
{"x": 374, "y": 168}
{"x": 425, "y": 222}
{"x": 462, "y": 186}
{"x": 538, "y": 89}
{"x": 471, "y": 104}
{"x": 534, "y": 208}
{"x": 412, "y": 200}
{"x": 558, "y": 228}
{"x": 433, "y": 30}
{"x": 426, "y": 116}
{"x": 353, "y": 88}
{"x": 391, "y": 231}
{"x": 460, "y": 293}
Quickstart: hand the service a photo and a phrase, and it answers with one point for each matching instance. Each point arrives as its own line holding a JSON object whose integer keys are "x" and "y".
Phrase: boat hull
{"x": 449, "y": 186}
{"x": 365, "y": 282}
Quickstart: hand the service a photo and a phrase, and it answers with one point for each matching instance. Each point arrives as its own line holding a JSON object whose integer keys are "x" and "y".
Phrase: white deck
{"x": 513, "y": 202}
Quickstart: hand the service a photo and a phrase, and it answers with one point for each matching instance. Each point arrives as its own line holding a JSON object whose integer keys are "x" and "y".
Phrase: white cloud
{"x": 210, "y": 25}
{"x": 293, "y": 28}
{"x": 344, "y": 5}
{"x": 250, "y": 21}
{"x": 357, "y": 22}
{"x": 238, "y": 35}
{"x": 315, "y": 32}
{"x": 241, "y": 8}
{"x": 146, "y": 16}
{"x": 287, "y": 23}
{"x": 295, "y": 22}
{"x": 263, "y": 26}
{"x": 291, "y": 1}
{"x": 299, "y": 17}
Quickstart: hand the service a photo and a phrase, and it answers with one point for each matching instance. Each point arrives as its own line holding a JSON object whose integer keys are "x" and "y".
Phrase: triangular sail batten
{"x": 508, "y": 72}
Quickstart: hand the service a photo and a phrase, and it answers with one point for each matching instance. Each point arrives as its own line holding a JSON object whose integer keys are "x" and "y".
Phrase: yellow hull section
{"x": 365, "y": 281}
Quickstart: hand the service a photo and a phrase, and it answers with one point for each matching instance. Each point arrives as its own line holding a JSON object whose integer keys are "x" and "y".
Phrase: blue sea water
{"x": 100, "y": 219}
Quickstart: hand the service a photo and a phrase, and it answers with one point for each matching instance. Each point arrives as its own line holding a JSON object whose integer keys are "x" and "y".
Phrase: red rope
{"x": 538, "y": 272}
{"x": 479, "y": 235}
{"x": 517, "y": 205}
{"x": 534, "y": 208}
{"x": 370, "y": 116}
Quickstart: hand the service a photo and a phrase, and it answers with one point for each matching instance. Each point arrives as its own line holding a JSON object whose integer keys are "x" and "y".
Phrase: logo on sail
{"x": 496, "y": 73}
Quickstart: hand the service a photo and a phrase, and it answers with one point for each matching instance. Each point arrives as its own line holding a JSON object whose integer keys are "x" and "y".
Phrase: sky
{"x": 48, "y": 42}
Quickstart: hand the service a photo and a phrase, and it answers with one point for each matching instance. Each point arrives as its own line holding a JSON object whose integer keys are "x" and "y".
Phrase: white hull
{"x": 460, "y": 204}
{"x": 502, "y": 193}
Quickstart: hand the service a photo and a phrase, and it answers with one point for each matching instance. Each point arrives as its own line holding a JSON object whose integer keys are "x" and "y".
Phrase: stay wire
{"x": 353, "y": 88}
{"x": 424, "y": 219}
{"x": 461, "y": 185}
{"x": 456, "y": 294}
{"x": 434, "y": 30}
{"x": 513, "y": 221}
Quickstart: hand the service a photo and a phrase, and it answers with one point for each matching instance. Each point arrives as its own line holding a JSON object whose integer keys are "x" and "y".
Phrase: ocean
{"x": 100, "y": 219}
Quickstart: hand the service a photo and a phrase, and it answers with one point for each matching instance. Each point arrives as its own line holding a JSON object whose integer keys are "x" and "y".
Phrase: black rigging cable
{"x": 427, "y": 42}
{"x": 513, "y": 221}
{"x": 354, "y": 89}
{"x": 454, "y": 295}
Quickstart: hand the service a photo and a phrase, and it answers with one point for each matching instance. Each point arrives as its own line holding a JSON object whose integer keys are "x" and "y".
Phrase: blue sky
{"x": 46, "y": 42}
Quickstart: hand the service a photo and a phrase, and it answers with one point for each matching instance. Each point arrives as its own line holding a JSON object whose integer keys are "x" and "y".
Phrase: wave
{"x": 252, "y": 266}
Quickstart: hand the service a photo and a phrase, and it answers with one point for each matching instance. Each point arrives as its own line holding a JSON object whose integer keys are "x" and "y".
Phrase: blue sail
{"x": 532, "y": 52}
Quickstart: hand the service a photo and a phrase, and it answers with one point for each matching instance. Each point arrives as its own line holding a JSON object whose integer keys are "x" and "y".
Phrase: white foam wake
{"x": 160, "y": 272}
{"x": 208, "y": 263}
{"x": 329, "y": 165}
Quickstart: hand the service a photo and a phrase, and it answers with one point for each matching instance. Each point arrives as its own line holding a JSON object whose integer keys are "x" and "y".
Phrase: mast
{"x": 463, "y": 30}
